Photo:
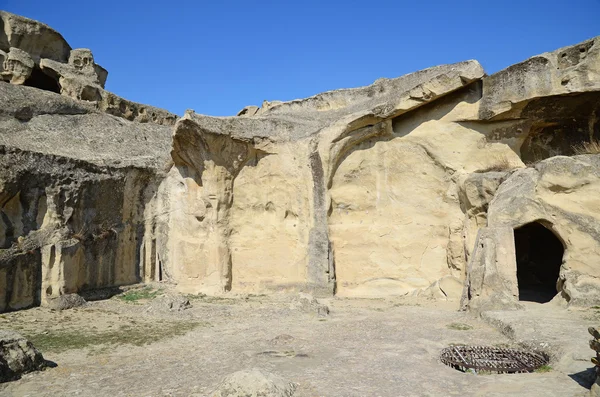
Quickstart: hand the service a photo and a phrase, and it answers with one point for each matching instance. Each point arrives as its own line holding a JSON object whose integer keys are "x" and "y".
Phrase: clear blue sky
{"x": 218, "y": 56}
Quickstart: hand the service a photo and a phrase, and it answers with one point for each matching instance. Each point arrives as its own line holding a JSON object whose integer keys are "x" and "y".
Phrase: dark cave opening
{"x": 539, "y": 257}
{"x": 41, "y": 80}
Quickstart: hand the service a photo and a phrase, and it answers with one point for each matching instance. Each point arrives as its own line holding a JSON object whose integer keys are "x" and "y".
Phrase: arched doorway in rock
{"x": 539, "y": 257}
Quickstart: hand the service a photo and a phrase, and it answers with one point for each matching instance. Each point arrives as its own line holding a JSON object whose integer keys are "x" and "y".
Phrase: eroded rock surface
{"x": 561, "y": 194}
{"x": 74, "y": 183}
{"x": 17, "y": 356}
{"x": 35, "y": 38}
{"x": 17, "y": 66}
{"x": 34, "y": 54}
{"x": 300, "y": 145}
{"x": 309, "y": 304}
{"x": 372, "y": 191}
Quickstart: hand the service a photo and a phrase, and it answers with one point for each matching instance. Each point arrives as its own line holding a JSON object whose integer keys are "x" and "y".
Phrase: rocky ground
{"x": 150, "y": 342}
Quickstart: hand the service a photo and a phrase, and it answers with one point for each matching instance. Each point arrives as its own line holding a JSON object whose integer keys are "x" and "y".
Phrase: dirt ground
{"x": 136, "y": 345}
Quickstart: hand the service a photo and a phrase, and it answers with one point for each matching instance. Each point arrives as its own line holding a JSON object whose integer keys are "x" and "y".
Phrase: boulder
{"x": 17, "y": 356}
{"x": 254, "y": 383}
{"x": 65, "y": 302}
{"x": 451, "y": 287}
{"x": 447, "y": 288}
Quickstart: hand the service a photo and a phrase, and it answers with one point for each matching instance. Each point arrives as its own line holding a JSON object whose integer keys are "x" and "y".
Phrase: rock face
{"x": 560, "y": 194}
{"x": 34, "y": 54}
{"x": 546, "y": 104}
{"x": 72, "y": 203}
{"x": 491, "y": 282}
{"x": 254, "y": 383}
{"x": 33, "y": 37}
{"x": 17, "y": 356}
{"x": 307, "y": 213}
{"x": 412, "y": 185}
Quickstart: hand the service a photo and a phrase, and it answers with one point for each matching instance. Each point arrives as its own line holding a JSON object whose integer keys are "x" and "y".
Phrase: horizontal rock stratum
{"x": 412, "y": 185}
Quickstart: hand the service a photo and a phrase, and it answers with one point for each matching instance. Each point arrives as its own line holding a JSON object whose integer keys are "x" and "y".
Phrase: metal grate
{"x": 493, "y": 359}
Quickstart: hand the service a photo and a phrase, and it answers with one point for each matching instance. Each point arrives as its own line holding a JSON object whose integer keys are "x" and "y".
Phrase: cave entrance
{"x": 41, "y": 80}
{"x": 539, "y": 257}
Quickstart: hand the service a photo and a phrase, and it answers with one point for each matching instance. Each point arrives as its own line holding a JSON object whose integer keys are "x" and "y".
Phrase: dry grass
{"x": 499, "y": 163}
{"x": 143, "y": 294}
{"x": 591, "y": 147}
{"x": 80, "y": 235}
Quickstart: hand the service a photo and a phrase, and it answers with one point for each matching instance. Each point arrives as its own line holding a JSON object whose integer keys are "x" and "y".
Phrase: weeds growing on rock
{"x": 591, "y": 147}
{"x": 80, "y": 235}
{"x": 133, "y": 296}
{"x": 105, "y": 231}
{"x": 500, "y": 163}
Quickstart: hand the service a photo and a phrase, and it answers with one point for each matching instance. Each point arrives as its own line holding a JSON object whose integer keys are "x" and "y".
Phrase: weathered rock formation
{"x": 17, "y": 66}
{"x": 413, "y": 185}
{"x": 35, "y": 55}
{"x": 17, "y": 356}
{"x": 74, "y": 185}
{"x": 561, "y": 194}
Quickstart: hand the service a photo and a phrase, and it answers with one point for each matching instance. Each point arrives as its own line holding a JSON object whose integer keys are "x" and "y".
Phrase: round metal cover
{"x": 493, "y": 359}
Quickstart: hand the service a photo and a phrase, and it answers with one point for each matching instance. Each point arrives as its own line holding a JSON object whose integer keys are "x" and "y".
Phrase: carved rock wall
{"x": 562, "y": 194}
{"x": 67, "y": 227}
{"x": 74, "y": 187}
{"x": 372, "y": 191}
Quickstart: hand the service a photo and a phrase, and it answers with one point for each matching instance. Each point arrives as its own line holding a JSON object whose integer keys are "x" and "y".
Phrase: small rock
{"x": 171, "y": 303}
{"x": 322, "y": 310}
{"x": 254, "y": 383}
{"x": 65, "y": 302}
{"x": 17, "y": 356}
{"x": 309, "y": 304}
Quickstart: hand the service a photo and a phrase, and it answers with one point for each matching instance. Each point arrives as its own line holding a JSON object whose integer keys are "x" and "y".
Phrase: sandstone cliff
{"x": 373, "y": 191}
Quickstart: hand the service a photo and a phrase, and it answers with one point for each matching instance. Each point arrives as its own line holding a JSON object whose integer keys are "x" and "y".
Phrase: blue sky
{"x": 218, "y": 56}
